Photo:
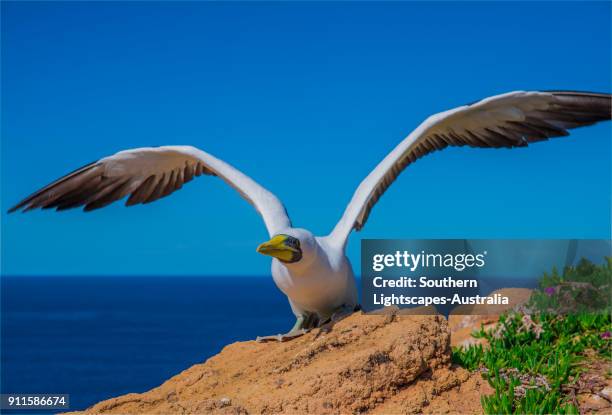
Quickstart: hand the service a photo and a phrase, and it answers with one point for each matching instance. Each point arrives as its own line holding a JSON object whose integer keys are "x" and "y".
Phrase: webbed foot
{"x": 302, "y": 325}
{"x": 282, "y": 337}
{"x": 340, "y": 313}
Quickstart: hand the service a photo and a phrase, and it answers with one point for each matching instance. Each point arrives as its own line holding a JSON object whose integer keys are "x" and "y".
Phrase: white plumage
{"x": 312, "y": 271}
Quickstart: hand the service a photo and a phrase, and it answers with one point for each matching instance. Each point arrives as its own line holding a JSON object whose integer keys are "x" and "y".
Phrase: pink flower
{"x": 549, "y": 290}
{"x": 606, "y": 335}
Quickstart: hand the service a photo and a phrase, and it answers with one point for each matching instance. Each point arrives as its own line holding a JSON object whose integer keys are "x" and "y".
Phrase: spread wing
{"x": 510, "y": 120}
{"x": 148, "y": 174}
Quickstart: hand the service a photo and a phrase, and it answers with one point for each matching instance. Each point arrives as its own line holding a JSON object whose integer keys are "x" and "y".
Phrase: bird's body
{"x": 314, "y": 272}
{"x": 323, "y": 285}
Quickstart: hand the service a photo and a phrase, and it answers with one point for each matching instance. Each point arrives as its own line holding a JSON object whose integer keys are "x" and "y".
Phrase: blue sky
{"x": 306, "y": 99}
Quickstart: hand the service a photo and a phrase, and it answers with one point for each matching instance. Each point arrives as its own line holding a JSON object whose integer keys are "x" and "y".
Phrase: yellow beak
{"x": 278, "y": 248}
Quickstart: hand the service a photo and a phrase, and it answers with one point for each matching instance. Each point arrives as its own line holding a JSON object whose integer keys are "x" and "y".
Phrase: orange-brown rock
{"x": 364, "y": 364}
{"x": 464, "y": 320}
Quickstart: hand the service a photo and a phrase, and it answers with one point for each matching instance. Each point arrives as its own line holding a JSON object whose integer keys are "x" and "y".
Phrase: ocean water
{"x": 99, "y": 337}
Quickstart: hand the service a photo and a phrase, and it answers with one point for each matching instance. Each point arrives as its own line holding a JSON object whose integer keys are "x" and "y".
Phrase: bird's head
{"x": 290, "y": 246}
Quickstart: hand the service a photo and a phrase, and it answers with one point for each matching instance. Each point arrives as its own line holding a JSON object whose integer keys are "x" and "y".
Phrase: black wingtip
{"x": 579, "y": 93}
{"x": 14, "y": 208}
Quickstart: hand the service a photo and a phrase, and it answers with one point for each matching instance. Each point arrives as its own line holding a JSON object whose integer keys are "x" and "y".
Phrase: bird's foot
{"x": 341, "y": 313}
{"x": 282, "y": 337}
{"x": 303, "y": 324}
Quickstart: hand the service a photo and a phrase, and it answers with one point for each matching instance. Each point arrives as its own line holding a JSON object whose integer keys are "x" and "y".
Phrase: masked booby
{"x": 313, "y": 271}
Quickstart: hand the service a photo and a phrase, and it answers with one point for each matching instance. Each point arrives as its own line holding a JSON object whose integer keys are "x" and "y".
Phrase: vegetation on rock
{"x": 535, "y": 355}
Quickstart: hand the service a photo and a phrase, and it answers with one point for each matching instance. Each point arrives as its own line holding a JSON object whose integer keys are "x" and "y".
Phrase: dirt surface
{"x": 364, "y": 364}
{"x": 593, "y": 389}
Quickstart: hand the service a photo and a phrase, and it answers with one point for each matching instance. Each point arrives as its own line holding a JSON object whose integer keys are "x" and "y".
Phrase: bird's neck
{"x": 315, "y": 259}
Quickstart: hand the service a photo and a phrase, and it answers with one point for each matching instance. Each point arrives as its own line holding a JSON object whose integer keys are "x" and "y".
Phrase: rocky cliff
{"x": 363, "y": 364}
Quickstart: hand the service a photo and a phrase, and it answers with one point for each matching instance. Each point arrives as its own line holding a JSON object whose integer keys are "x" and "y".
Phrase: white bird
{"x": 313, "y": 271}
